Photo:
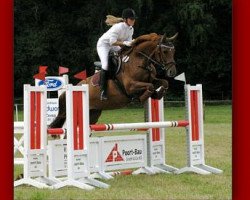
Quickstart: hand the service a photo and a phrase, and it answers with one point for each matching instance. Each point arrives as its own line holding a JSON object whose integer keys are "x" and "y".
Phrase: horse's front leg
{"x": 139, "y": 87}
{"x": 161, "y": 87}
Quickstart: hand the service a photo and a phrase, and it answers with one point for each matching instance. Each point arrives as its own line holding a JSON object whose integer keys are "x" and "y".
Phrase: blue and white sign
{"x": 52, "y": 83}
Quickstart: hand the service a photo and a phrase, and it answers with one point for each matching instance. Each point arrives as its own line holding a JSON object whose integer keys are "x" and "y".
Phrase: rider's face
{"x": 130, "y": 22}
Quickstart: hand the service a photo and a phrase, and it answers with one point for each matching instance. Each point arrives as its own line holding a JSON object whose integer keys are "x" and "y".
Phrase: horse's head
{"x": 164, "y": 56}
{"x": 158, "y": 50}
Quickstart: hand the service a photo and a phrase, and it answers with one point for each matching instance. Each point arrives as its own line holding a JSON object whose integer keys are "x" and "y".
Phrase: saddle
{"x": 115, "y": 62}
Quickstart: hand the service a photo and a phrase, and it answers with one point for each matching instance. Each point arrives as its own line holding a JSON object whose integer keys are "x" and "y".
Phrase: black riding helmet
{"x": 128, "y": 13}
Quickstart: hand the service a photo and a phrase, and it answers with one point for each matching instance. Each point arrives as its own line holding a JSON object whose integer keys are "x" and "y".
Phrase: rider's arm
{"x": 118, "y": 43}
{"x": 114, "y": 32}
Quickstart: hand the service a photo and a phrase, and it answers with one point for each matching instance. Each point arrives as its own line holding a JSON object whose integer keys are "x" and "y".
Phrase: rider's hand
{"x": 128, "y": 43}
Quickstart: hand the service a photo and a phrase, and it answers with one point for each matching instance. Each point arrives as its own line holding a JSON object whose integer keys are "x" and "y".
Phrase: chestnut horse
{"x": 150, "y": 62}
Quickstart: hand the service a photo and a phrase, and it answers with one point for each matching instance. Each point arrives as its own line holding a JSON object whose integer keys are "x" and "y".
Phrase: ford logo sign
{"x": 52, "y": 84}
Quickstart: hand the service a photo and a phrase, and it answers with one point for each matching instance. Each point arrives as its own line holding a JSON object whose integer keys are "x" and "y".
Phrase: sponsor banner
{"x": 106, "y": 153}
{"x": 52, "y": 83}
{"x": 122, "y": 152}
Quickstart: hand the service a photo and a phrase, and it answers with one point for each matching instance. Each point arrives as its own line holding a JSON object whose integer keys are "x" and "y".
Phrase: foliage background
{"x": 64, "y": 33}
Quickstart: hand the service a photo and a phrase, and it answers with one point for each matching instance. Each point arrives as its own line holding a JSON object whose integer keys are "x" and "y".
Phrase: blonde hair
{"x": 111, "y": 20}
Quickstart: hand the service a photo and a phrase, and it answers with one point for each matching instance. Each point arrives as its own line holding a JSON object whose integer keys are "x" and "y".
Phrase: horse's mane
{"x": 148, "y": 37}
{"x": 141, "y": 42}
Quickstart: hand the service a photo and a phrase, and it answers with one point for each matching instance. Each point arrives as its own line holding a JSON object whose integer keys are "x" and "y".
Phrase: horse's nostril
{"x": 171, "y": 72}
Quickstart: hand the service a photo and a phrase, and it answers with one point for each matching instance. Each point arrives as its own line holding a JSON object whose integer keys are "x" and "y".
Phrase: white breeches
{"x": 103, "y": 53}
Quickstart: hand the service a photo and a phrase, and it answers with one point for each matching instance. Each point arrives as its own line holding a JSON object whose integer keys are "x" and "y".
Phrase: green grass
{"x": 19, "y": 116}
{"x": 218, "y": 153}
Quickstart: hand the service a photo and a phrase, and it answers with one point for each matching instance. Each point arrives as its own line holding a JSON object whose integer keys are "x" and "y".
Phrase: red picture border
{"x": 241, "y": 98}
{"x": 6, "y": 99}
{"x": 241, "y": 93}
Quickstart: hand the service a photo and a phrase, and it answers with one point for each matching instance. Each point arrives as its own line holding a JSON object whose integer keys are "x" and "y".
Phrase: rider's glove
{"x": 127, "y": 43}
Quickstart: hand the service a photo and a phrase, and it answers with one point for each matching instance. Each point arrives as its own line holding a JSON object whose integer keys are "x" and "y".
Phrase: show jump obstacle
{"x": 79, "y": 159}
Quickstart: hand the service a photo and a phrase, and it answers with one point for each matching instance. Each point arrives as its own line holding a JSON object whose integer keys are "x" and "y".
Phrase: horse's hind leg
{"x": 94, "y": 115}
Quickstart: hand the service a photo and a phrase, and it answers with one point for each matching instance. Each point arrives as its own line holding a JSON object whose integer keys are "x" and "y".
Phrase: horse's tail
{"x": 61, "y": 117}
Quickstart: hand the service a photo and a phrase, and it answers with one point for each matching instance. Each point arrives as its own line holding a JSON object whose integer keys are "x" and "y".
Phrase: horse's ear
{"x": 163, "y": 38}
{"x": 172, "y": 38}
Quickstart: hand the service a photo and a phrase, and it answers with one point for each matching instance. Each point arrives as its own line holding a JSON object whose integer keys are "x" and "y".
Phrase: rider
{"x": 120, "y": 34}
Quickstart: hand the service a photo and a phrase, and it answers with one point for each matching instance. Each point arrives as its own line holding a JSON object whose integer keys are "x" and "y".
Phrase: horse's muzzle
{"x": 171, "y": 71}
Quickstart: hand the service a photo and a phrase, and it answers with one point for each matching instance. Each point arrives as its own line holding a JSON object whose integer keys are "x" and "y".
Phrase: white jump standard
{"x": 156, "y": 143}
{"x": 195, "y": 133}
{"x": 35, "y": 142}
{"x": 78, "y": 173}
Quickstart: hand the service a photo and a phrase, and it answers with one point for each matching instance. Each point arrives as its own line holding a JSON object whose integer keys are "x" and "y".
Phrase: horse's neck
{"x": 134, "y": 69}
{"x": 137, "y": 68}
{"x": 148, "y": 48}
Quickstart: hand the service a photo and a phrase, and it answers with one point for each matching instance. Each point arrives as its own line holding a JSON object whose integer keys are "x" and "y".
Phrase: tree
{"x": 65, "y": 32}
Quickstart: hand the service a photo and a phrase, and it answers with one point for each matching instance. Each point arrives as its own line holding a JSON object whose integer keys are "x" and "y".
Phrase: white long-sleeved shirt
{"x": 118, "y": 32}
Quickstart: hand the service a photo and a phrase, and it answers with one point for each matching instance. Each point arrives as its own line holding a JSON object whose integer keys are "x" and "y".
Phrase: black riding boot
{"x": 103, "y": 85}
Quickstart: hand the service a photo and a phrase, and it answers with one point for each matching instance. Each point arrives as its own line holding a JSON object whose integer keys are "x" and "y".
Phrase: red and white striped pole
{"x": 134, "y": 126}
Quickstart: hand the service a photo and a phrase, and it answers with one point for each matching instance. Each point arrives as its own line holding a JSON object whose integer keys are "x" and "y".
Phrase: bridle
{"x": 161, "y": 65}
